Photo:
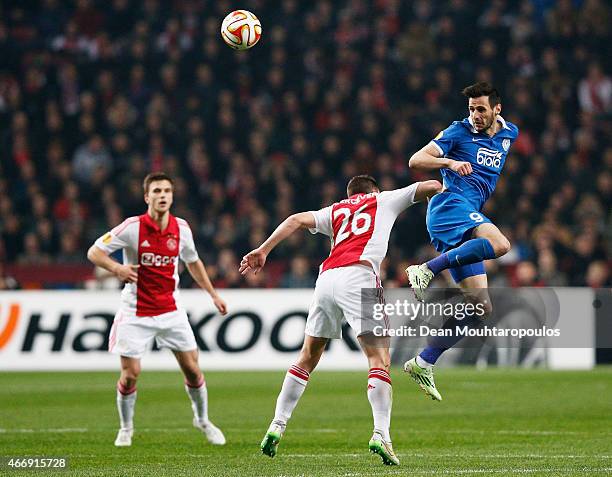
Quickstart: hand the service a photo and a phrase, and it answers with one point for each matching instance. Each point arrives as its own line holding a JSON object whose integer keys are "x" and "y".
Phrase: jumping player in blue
{"x": 470, "y": 155}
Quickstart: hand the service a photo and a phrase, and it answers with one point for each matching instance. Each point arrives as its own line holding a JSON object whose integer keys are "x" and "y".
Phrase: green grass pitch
{"x": 494, "y": 422}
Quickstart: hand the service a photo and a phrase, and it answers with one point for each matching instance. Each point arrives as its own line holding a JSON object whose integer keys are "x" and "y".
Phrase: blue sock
{"x": 472, "y": 251}
{"x": 436, "y": 265}
{"x": 431, "y": 354}
{"x": 440, "y": 344}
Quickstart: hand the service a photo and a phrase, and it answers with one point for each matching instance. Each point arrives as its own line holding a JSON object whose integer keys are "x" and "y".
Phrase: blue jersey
{"x": 461, "y": 142}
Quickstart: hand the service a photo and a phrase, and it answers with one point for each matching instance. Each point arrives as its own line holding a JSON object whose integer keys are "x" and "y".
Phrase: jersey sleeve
{"x": 398, "y": 200}
{"x": 118, "y": 238}
{"x": 515, "y": 131}
{"x": 188, "y": 252}
{"x": 445, "y": 140}
{"x": 323, "y": 222}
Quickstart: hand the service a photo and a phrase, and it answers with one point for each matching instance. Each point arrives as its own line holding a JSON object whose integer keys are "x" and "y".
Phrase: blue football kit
{"x": 453, "y": 213}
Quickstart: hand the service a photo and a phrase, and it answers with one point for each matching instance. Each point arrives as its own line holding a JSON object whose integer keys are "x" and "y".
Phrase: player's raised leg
{"x": 294, "y": 385}
{"x": 126, "y": 399}
{"x": 195, "y": 385}
{"x": 420, "y": 368}
{"x": 487, "y": 243}
{"x": 380, "y": 395}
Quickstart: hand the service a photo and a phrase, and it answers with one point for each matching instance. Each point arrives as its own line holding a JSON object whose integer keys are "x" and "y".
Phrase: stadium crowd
{"x": 95, "y": 95}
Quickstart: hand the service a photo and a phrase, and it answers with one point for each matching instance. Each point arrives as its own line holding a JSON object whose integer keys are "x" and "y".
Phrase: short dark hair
{"x": 155, "y": 176}
{"x": 361, "y": 184}
{"x": 482, "y": 88}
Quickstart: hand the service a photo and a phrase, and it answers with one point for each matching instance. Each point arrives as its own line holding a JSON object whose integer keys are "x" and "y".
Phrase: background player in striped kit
{"x": 152, "y": 244}
{"x": 359, "y": 229}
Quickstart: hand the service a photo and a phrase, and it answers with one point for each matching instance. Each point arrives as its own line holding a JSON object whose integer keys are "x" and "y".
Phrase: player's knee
{"x": 194, "y": 377}
{"x": 128, "y": 380}
{"x": 481, "y": 306}
{"x": 501, "y": 246}
{"x": 487, "y": 309}
{"x": 129, "y": 376}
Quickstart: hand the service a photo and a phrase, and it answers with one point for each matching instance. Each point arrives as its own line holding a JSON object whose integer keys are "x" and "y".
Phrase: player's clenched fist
{"x": 253, "y": 261}
{"x": 460, "y": 167}
{"x": 127, "y": 273}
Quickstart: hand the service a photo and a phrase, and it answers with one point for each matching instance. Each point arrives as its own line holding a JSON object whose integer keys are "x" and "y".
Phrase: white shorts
{"x": 132, "y": 335}
{"x": 338, "y": 295}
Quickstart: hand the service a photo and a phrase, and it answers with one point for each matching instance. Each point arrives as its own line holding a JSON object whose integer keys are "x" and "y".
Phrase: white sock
{"x": 422, "y": 363}
{"x": 199, "y": 400}
{"x": 380, "y": 395}
{"x": 126, "y": 400}
{"x": 294, "y": 385}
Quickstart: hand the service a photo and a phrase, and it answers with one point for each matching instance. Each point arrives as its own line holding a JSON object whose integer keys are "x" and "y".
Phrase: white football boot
{"x": 420, "y": 276}
{"x": 212, "y": 432}
{"x": 124, "y": 438}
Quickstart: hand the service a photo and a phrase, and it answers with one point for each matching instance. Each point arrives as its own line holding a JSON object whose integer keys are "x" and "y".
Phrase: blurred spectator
{"x": 526, "y": 275}
{"x": 598, "y": 274}
{"x": 595, "y": 91}
{"x": 12, "y": 236}
{"x": 299, "y": 274}
{"x": 32, "y": 253}
{"x": 69, "y": 250}
{"x": 550, "y": 274}
{"x": 90, "y": 158}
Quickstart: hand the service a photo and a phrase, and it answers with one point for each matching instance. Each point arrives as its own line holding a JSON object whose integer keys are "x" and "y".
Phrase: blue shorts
{"x": 450, "y": 221}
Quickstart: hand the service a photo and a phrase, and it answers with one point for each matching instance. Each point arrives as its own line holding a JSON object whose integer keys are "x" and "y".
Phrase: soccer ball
{"x": 241, "y": 30}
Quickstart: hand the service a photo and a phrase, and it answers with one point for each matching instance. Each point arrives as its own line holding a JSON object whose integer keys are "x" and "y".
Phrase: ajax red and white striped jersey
{"x": 157, "y": 252}
{"x": 359, "y": 227}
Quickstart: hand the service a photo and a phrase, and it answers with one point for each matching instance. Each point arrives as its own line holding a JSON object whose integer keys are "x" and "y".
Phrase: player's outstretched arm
{"x": 125, "y": 273}
{"x": 256, "y": 259}
{"x": 198, "y": 271}
{"x": 430, "y": 158}
{"x": 427, "y": 189}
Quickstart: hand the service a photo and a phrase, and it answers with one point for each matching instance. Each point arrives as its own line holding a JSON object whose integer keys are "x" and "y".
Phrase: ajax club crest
{"x": 506, "y": 144}
{"x": 171, "y": 244}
